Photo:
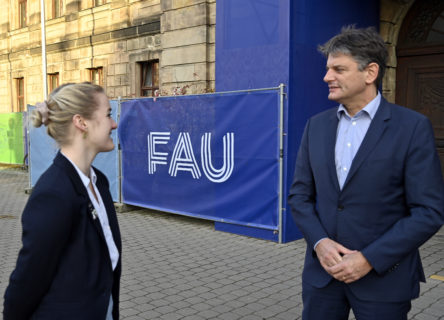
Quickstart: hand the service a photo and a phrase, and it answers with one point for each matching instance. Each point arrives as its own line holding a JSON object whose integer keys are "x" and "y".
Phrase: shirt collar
{"x": 85, "y": 179}
{"x": 370, "y": 108}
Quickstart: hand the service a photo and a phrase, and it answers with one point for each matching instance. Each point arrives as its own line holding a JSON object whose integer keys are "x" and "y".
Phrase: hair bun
{"x": 42, "y": 108}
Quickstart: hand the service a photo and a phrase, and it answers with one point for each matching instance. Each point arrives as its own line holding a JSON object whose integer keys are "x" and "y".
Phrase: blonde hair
{"x": 65, "y": 102}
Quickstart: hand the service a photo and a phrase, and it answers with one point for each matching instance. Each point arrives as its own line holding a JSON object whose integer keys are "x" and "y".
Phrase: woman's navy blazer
{"x": 64, "y": 269}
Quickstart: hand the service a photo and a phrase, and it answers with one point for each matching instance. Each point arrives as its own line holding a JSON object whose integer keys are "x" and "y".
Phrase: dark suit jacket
{"x": 64, "y": 269}
{"x": 392, "y": 200}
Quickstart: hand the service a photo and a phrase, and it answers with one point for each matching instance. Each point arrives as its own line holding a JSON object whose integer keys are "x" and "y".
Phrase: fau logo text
{"x": 183, "y": 158}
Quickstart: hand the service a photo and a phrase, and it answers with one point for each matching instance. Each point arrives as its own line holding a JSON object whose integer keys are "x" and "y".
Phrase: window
{"x": 20, "y": 94}
{"x": 149, "y": 77}
{"x": 53, "y": 81}
{"x": 57, "y": 6}
{"x": 96, "y": 75}
{"x": 22, "y": 13}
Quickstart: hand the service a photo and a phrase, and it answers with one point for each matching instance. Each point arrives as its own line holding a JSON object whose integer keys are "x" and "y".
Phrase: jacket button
{"x": 340, "y": 207}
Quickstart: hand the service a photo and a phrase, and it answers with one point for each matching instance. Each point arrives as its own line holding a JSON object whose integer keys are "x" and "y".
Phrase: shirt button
{"x": 349, "y": 144}
{"x": 340, "y": 207}
{"x": 345, "y": 169}
{"x": 354, "y": 123}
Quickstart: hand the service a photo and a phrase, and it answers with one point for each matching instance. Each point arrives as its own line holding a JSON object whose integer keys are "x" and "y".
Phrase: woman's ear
{"x": 79, "y": 122}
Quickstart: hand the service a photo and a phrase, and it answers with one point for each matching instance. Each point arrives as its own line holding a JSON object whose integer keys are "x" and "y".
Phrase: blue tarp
{"x": 262, "y": 43}
{"x": 209, "y": 156}
{"x": 42, "y": 150}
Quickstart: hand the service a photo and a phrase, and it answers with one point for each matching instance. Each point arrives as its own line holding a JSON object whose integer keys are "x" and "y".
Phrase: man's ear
{"x": 372, "y": 72}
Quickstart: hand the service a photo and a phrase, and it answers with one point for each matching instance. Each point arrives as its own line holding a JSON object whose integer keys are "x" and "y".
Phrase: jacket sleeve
{"x": 46, "y": 222}
{"x": 424, "y": 196}
{"x": 302, "y": 196}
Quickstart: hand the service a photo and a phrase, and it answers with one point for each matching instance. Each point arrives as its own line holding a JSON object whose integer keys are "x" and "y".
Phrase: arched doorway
{"x": 420, "y": 70}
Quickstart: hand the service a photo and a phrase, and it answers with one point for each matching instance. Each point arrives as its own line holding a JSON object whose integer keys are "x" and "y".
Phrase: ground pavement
{"x": 176, "y": 267}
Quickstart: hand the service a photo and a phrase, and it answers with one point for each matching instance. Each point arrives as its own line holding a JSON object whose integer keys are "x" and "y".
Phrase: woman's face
{"x": 101, "y": 125}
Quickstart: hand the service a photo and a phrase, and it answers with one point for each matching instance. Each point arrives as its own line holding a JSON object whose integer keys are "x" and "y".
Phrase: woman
{"x": 69, "y": 266}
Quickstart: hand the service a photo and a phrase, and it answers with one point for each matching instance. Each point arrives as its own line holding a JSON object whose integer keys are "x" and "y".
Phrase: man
{"x": 367, "y": 192}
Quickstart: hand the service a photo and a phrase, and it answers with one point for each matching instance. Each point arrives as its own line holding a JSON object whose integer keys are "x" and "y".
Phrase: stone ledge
{"x": 131, "y": 32}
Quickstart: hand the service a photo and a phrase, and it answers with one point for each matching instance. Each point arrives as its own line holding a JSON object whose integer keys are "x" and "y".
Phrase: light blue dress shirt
{"x": 351, "y": 132}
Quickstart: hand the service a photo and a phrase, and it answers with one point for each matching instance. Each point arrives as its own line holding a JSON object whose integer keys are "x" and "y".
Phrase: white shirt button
{"x": 354, "y": 123}
{"x": 345, "y": 169}
{"x": 349, "y": 144}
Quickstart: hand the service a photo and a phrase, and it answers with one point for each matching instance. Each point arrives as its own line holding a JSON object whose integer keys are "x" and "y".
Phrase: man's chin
{"x": 333, "y": 97}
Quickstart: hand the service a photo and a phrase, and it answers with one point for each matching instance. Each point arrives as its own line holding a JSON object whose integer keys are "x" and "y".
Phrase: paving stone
{"x": 252, "y": 317}
{"x": 148, "y": 315}
{"x": 187, "y": 311}
{"x": 127, "y": 312}
{"x": 171, "y": 316}
{"x": 180, "y": 304}
{"x": 425, "y": 316}
{"x": 207, "y": 314}
{"x": 165, "y": 309}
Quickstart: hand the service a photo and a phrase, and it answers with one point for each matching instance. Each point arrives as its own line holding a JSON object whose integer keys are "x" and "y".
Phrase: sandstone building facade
{"x": 135, "y": 47}
{"x": 131, "y": 47}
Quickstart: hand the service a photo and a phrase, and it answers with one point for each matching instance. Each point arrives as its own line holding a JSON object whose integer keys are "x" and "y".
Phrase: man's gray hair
{"x": 363, "y": 45}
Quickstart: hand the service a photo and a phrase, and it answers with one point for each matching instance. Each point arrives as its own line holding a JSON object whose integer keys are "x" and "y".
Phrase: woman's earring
{"x": 85, "y": 134}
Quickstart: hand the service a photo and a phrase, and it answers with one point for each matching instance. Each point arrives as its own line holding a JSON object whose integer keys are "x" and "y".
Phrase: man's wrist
{"x": 317, "y": 242}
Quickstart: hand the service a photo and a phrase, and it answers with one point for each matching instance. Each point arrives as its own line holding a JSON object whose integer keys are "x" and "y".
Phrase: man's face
{"x": 346, "y": 83}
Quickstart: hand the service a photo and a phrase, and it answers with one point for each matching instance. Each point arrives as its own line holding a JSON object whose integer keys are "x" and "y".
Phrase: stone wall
{"x": 114, "y": 36}
{"x": 188, "y": 42}
{"x": 391, "y": 18}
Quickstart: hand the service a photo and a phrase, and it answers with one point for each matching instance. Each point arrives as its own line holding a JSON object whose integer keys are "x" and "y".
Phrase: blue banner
{"x": 209, "y": 156}
{"x": 42, "y": 150}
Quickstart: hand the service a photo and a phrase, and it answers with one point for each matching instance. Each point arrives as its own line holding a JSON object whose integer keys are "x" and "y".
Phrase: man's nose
{"x": 328, "y": 76}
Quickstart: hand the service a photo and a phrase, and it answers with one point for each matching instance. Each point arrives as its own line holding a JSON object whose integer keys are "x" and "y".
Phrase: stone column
{"x": 391, "y": 18}
{"x": 188, "y": 55}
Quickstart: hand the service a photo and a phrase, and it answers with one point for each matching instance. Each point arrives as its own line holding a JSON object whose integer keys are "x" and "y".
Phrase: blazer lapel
{"x": 94, "y": 216}
{"x": 61, "y": 161}
{"x": 64, "y": 163}
{"x": 374, "y": 133}
{"x": 330, "y": 142}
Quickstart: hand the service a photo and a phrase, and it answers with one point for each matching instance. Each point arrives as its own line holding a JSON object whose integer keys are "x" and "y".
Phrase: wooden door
{"x": 420, "y": 69}
{"x": 420, "y": 86}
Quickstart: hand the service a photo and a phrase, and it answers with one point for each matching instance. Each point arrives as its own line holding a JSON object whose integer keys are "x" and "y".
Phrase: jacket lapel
{"x": 94, "y": 216}
{"x": 64, "y": 163}
{"x": 330, "y": 140}
{"x": 61, "y": 161}
{"x": 374, "y": 133}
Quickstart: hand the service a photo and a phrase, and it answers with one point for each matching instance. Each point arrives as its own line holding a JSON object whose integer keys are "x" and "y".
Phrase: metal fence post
{"x": 281, "y": 157}
{"x": 119, "y": 151}
{"x": 28, "y": 146}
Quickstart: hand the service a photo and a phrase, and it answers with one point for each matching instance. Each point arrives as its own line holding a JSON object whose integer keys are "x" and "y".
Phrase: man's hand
{"x": 353, "y": 267}
{"x": 330, "y": 253}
